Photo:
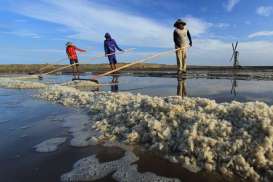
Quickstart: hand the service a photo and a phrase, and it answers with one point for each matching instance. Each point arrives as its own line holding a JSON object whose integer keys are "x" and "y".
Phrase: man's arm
{"x": 176, "y": 39}
{"x": 81, "y": 50}
{"x": 189, "y": 37}
{"x": 116, "y": 45}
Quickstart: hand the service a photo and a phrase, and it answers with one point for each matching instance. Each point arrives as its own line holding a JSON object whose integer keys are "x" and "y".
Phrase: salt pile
{"x": 20, "y": 84}
{"x": 50, "y": 145}
{"x": 79, "y": 127}
{"x": 80, "y": 84}
{"x": 232, "y": 138}
{"x": 90, "y": 169}
{"x": 131, "y": 174}
{"x": 29, "y": 77}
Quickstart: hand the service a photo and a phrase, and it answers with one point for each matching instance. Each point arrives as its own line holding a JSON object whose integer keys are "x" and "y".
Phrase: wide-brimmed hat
{"x": 69, "y": 43}
{"x": 179, "y": 21}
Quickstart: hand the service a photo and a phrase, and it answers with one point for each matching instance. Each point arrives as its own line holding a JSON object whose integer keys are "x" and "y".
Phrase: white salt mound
{"x": 90, "y": 169}
{"x": 28, "y": 77}
{"x": 80, "y": 84}
{"x": 20, "y": 84}
{"x": 233, "y": 138}
{"x": 130, "y": 174}
{"x": 50, "y": 145}
{"x": 79, "y": 127}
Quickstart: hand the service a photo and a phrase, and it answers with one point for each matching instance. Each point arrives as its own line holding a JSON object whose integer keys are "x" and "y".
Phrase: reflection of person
{"x": 181, "y": 35}
{"x": 72, "y": 55}
{"x": 181, "y": 87}
{"x": 110, "y": 46}
{"x": 233, "y": 88}
{"x": 114, "y": 86}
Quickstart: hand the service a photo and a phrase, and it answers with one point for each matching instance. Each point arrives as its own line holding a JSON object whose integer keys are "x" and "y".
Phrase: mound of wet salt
{"x": 20, "y": 84}
{"x": 50, "y": 145}
{"x": 80, "y": 84}
{"x": 89, "y": 169}
{"x": 28, "y": 77}
{"x": 233, "y": 138}
{"x": 131, "y": 174}
{"x": 79, "y": 127}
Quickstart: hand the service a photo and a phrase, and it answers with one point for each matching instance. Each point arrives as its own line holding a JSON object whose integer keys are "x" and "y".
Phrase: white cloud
{"x": 222, "y": 25}
{"x": 22, "y": 33}
{"x": 196, "y": 25}
{"x": 265, "y": 10}
{"x": 20, "y": 20}
{"x": 216, "y": 52}
{"x": 231, "y": 4}
{"x": 261, "y": 33}
{"x": 90, "y": 21}
{"x": 248, "y": 22}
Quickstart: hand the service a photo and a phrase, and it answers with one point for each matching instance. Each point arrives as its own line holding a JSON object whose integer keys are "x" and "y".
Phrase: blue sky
{"x": 35, "y": 31}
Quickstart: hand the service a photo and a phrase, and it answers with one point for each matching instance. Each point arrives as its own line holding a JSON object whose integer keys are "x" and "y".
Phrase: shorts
{"x": 73, "y": 61}
{"x": 112, "y": 59}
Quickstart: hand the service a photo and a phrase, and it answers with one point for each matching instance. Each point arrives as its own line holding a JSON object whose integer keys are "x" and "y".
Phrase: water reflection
{"x": 114, "y": 85}
{"x": 221, "y": 90}
{"x": 234, "y": 86}
{"x": 181, "y": 86}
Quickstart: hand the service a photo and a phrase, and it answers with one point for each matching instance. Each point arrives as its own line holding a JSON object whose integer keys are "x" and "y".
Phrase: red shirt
{"x": 71, "y": 51}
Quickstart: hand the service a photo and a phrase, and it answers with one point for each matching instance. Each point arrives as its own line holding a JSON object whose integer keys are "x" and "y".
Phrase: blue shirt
{"x": 110, "y": 46}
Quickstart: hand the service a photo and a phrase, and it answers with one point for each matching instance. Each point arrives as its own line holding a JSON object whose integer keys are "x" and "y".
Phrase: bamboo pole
{"x": 60, "y": 60}
{"x": 94, "y": 58}
{"x": 138, "y": 61}
{"x": 103, "y": 55}
{"x": 49, "y": 65}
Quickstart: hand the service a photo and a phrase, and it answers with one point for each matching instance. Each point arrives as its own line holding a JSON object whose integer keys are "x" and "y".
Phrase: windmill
{"x": 235, "y": 56}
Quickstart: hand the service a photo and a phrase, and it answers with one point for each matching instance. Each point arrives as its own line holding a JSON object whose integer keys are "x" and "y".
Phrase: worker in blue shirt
{"x": 110, "y": 47}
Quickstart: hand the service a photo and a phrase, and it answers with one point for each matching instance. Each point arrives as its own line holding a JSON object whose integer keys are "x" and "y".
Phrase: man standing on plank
{"x": 182, "y": 38}
{"x": 110, "y": 46}
{"x": 72, "y": 55}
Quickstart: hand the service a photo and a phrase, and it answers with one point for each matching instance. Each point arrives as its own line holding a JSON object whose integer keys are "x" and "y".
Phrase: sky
{"x": 35, "y": 31}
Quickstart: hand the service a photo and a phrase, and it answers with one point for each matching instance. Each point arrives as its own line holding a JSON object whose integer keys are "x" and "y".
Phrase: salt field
{"x": 130, "y": 91}
{"x": 196, "y": 129}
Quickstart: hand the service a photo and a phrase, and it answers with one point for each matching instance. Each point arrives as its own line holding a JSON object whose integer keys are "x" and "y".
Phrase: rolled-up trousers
{"x": 181, "y": 57}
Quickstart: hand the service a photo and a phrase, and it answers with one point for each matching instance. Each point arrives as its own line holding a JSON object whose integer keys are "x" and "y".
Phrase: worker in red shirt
{"x": 72, "y": 55}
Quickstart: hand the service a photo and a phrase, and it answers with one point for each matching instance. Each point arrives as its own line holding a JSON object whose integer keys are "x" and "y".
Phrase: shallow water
{"x": 222, "y": 90}
{"x": 26, "y": 121}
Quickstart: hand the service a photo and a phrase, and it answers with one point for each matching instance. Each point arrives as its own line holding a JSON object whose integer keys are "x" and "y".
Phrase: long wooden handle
{"x": 59, "y": 61}
{"x": 59, "y": 69}
{"x": 49, "y": 65}
{"x": 103, "y": 55}
{"x": 94, "y": 58}
{"x": 136, "y": 62}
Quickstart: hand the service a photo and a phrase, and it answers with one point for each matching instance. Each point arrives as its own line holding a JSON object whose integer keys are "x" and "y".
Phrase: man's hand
{"x": 191, "y": 44}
